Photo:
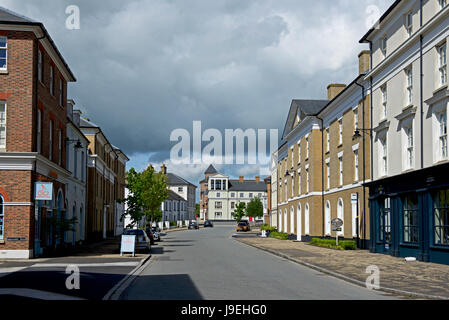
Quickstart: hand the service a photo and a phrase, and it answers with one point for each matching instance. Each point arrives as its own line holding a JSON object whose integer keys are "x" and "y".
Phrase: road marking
{"x": 36, "y": 294}
{"x": 119, "y": 288}
{"x": 5, "y": 271}
{"x": 64, "y": 265}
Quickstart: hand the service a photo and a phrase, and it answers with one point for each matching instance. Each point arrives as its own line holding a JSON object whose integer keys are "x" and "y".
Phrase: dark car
{"x": 243, "y": 226}
{"x": 208, "y": 224}
{"x": 193, "y": 225}
{"x": 150, "y": 234}
{"x": 143, "y": 242}
{"x": 156, "y": 233}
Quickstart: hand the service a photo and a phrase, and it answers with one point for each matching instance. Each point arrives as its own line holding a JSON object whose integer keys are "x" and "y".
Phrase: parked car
{"x": 156, "y": 233}
{"x": 243, "y": 226}
{"x": 193, "y": 225}
{"x": 208, "y": 224}
{"x": 143, "y": 242}
{"x": 150, "y": 235}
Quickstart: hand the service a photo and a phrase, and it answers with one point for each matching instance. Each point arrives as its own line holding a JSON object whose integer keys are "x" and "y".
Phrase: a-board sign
{"x": 128, "y": 244}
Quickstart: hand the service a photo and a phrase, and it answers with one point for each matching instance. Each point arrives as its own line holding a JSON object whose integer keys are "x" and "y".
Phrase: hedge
{"x": 278, "y": 235}
{"x": 266, "y": 227}
{"x": 329, "y": 243}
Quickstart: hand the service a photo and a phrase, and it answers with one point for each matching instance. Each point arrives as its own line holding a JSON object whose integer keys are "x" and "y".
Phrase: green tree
{"x": 147, "y": 191}
{"x": 239, "y": 213}
{"x": 254, "y": 209}
{"x": 197, "y": 209}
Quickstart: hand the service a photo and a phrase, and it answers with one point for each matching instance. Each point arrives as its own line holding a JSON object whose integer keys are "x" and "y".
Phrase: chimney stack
{"x": 257, "y": 179}
{"x": 241, "y": 178}
{"x": 164, "y": 169}
{"x": 334, "y": 90}
{"x": 364, "y": 61}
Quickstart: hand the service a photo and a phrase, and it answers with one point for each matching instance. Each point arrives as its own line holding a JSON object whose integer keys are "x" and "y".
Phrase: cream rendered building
{"x": 224, "y": 194}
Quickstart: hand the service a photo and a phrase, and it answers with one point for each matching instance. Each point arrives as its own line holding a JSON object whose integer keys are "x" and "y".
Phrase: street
{"x": 208, "y": 264}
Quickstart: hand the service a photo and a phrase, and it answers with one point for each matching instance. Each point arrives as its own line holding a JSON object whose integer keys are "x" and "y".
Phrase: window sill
{"x": 5, "y": 72}
{"x": 443, "y": 87}
{"x": 340, "y": 145}
{"x": 2, "y": 241}
{"x": 409, "y": 245}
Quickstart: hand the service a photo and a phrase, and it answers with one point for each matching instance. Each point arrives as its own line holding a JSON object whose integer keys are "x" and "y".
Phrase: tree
{"x": 240, "y": 211}
{"x": 197, "y": 209}
{"x": 254, "y": 209}
{"x": 147, "y": 191}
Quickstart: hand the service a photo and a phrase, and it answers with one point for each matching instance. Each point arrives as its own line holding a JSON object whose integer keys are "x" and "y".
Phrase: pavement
{"x": 410, "y": 279}
{"x": 100, "y": 268}
{"x": 209, "y": 264}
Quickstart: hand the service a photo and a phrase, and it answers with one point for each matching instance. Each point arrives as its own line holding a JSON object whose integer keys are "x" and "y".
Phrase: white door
{"x": 285, "y": 221}
{"x": 340, "y": 215}
{"x": 354, "y": 218}
{"x": 328, "y": 218}
{"x": 306, "y": 221}
{"x": 299, "y": 224}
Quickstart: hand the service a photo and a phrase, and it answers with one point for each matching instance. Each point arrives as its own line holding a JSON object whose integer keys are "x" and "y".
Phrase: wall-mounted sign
{"x": 16, "y": 239}
{"x": 43, "y": 191}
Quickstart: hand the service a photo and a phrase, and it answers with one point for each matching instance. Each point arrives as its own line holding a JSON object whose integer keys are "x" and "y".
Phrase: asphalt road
{"x": 208, "y": 264}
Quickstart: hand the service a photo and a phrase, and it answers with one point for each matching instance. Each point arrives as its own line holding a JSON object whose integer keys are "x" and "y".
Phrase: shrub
{"x": 278, "y": 235}
{"x": 329, "y": 243}
{"x": 266, "y": 227}
{"x": 173, "y": 224}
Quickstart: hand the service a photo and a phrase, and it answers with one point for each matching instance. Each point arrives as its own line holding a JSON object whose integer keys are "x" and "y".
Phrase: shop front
{"x": 410, "y": 215}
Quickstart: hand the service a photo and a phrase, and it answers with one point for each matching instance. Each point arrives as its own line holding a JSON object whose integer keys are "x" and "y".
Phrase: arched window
{"x": 307, "y": 221}
{"x": 2, "y": 217}
{"x": 340, "y": 211}
{"x": 328, "y": 218}
{"x": 292, "y": 220}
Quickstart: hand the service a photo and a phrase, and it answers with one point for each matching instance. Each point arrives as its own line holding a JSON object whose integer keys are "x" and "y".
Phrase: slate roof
{"x": 173, "y": 196}
{"x": 304, "y": 108}
{"x": 247, "y": 185}
{"x": 211, "y": 170}
{"x": 174, "y": 180}
{"x": 87, "y": 124}
{"x": 10, "y": 17}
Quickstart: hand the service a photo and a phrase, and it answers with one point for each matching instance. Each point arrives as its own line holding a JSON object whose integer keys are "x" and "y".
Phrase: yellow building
{"x": 324, "y": 161}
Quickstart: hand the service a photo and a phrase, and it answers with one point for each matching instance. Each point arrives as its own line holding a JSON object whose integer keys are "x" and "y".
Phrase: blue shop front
{"x": 409, "y": 215}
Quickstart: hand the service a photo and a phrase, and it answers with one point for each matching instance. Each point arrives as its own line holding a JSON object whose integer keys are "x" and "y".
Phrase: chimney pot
{"x": 241, "y": 178}
{"x": 257, "y": 179}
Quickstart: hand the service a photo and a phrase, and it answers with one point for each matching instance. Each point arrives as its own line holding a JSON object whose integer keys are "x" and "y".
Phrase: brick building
{"x": 33, "y": 102}
{"x": 204, "y": 192}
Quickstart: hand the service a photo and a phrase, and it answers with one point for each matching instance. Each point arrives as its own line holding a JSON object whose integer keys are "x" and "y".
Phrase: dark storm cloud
{"x": 146, "y": 67}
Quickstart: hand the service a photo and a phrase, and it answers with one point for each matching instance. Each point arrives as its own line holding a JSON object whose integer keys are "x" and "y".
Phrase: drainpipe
{"x": 322, "y": 176}
{"x": 364, "y": 169}
{"x": 421, "y": 76}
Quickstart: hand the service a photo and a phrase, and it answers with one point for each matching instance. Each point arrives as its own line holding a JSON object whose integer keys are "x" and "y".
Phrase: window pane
{"x": 2, "y": 42}
{"x": 2, "y": 63}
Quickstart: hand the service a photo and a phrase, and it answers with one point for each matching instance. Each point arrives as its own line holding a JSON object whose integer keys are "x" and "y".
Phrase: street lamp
{"x": 78, "y": 144}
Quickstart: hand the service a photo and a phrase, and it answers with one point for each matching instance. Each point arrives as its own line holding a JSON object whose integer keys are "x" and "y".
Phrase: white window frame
{"x": 292, "y": 158}
{"x": 340, "y": 160}
{"x": 39, "y": 65}
{"x": 384, "y": 94}
{"x": 328, "y": 140}
{"x": 409, "y": 24}
{"x": 308, "y": 180}
{"x": 307, "y": 147}
{"x": 39, "y": 131}
{"x": 6, "y": 53}
{"x": 356, "y": 165}
{"x": 52, "y": 80}
{"x": 328, "y": 167}
{"x": 299, "y": 152}
{"x": 442, "y": 64}
{"x": 442, "y": 3}
{"x": 409, "y": 84}
{"x": 340, "y": 131}
{"x": 409, "y": 136}
{"x": 3, "y": 124}
{"x": 356, "y": 118}
{"x": 50, "y": 144}
{"x": 442, "y": 136}
{"x": 2, "y": 217}
{"x": 383, "y": 165}
{"x": 299, "y": 182}
{"x": 383, "y": 45}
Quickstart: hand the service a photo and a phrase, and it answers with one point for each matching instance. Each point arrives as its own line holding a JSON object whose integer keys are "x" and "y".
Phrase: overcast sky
{"x": 147, "y": 67}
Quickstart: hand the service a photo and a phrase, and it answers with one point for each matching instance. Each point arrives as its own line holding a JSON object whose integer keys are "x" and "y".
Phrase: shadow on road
{"x": 165, "y": 287}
